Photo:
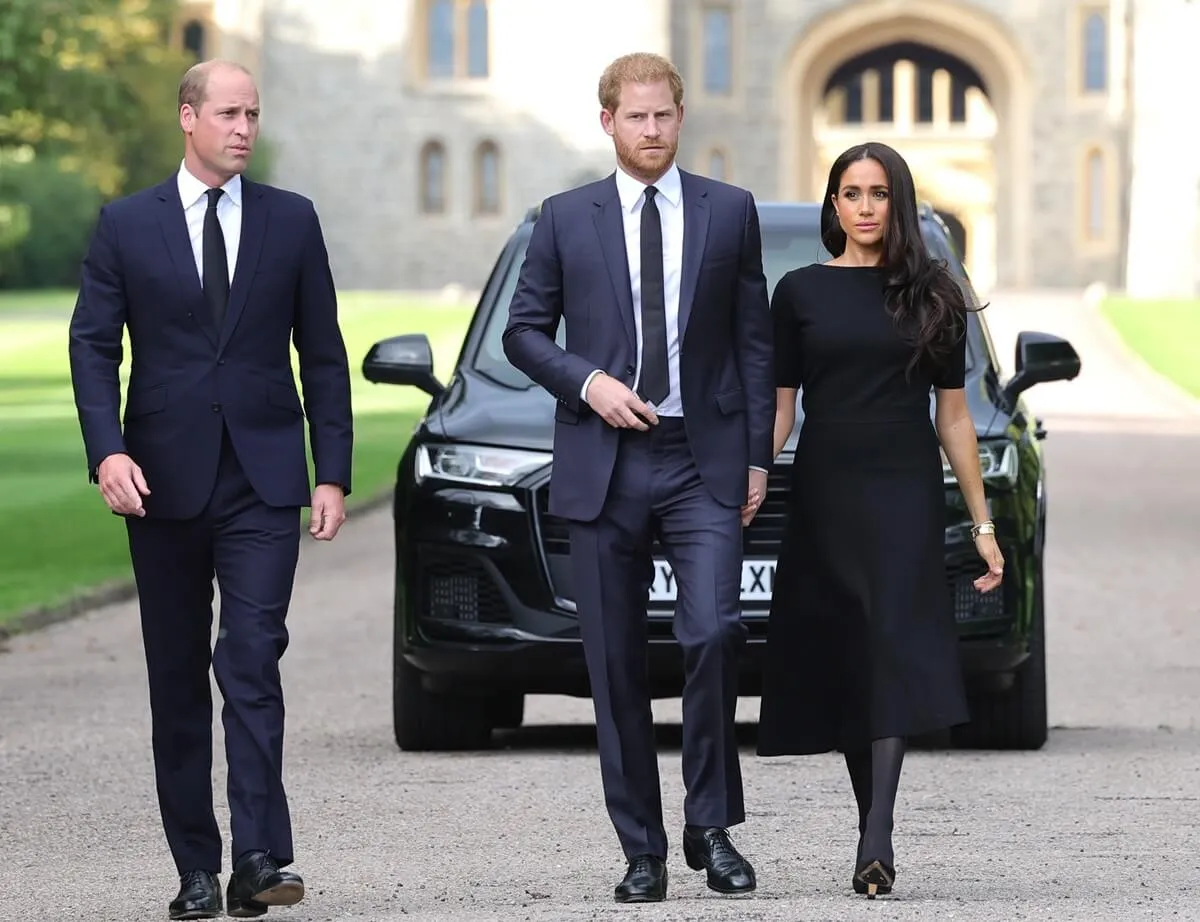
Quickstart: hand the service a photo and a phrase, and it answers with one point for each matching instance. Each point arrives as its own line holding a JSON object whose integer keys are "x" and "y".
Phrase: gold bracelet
{"x": 983, "y": 528}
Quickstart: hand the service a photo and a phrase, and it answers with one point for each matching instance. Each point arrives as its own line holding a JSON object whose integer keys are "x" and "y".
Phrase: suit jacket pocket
{"x": 564, "y": 414}
{"x": 284, "y": 397}
{"x": 146, "y": 400}
{"x": 730, "y": 402}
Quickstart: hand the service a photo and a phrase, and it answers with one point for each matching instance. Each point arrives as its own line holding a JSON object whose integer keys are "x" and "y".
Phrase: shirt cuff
{"x": 754, "y": 467}
{"x": 586, "y": 382}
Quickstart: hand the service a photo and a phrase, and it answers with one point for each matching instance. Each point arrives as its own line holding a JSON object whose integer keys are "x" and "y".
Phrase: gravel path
{"x": 1100, "y": 825}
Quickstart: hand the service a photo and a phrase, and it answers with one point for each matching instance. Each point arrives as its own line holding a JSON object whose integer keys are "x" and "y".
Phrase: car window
{"x": 489, "y": 357}
{"x": 784, "y": 249}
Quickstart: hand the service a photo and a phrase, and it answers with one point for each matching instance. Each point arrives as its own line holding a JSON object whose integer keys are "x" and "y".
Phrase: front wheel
{"x": 1016, "y": 719}
{"x": 426, "y": 721}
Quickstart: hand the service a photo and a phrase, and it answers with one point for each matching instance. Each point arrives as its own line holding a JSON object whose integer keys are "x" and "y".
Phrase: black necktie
{"x": 654, "y": 384}
{"x": 216, "y": 267}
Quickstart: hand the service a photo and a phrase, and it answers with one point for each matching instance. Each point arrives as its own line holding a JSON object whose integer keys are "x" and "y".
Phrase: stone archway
{"x": 855, "y": 28}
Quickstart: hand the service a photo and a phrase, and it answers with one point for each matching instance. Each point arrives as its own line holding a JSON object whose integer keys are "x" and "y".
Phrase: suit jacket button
{"x": 629, "y": 369}
{"x": 216, "y": 408}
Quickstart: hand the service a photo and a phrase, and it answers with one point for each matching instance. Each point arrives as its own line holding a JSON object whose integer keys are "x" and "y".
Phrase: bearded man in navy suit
{"x": 215, "y": 277}
{"x": 663, "y": 427}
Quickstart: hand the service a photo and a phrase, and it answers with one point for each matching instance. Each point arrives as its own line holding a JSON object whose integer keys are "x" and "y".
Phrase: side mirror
{"x": 406, "y": 360}
{"x": 1041, "y": 357}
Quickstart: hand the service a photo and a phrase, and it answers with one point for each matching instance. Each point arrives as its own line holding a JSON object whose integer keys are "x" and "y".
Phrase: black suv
{"x": 484, "y": 612}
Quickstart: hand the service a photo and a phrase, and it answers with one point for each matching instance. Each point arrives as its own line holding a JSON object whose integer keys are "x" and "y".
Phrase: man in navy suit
{"x": 214, "y": 277}
{"x": 666, "y": 405}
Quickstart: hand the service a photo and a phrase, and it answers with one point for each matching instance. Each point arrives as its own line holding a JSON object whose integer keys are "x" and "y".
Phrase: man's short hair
{"x": 193, "y": 88}
{"x": 639, "y": 67}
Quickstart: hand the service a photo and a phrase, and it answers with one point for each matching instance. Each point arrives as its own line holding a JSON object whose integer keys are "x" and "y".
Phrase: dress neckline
{"x": 834, "y": 266}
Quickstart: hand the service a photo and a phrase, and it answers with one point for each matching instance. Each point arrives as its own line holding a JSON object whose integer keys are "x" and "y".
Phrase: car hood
{"x": 475, "y": 409}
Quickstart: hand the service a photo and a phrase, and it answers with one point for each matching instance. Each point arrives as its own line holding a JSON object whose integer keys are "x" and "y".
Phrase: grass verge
{"x": 60, "y": 540}
{"x": 1163, "y": 333}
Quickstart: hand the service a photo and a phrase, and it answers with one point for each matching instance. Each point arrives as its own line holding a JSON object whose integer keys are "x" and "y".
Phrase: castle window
{"x": 193, "y": 39}
{"x": 718, "y": 165}
{"x": 433, "y": 178}
{"x": 456, "y": 39}
{"x": 718, "y": 50}
{"x": 487, "y": 179}
{"x": 1095, "y": 53}
{"x": 1096, "y": 186}
{"x": 477, "y": 39}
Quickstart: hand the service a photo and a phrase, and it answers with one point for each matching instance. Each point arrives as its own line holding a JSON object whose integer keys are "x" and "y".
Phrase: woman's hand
{"x": 989, "y": 550}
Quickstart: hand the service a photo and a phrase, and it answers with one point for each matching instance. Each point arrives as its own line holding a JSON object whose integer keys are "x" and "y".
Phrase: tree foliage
{"x": 92, "y": 83}
{"x": 88, "y": 92}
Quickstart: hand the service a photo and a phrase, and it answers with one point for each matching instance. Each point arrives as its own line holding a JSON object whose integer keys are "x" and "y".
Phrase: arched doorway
{"x": 836, "y": 68}
{"x": 933, "y": 107}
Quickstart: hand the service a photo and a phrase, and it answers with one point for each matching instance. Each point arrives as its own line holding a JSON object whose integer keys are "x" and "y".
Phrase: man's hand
{"x": 122, "y": 485}
{"x": 328, "y": 511}
{"x": 755, "y": 494}
{"x": 617, "y": 405}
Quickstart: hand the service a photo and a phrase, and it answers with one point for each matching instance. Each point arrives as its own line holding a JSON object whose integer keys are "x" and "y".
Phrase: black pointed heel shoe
{"x": 873, "y": 878}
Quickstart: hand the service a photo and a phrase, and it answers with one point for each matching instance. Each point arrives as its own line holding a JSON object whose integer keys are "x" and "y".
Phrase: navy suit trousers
{"x": 252, "y": 549}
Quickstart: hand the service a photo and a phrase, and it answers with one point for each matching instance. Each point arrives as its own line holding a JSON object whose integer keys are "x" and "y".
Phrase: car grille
{"x": 763, "y": 538}
{"x": 459, "y": 589}
{"x": 970, "y": 605}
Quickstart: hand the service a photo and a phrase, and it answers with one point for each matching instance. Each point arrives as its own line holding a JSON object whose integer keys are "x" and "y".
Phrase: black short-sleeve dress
{"x": 861, "y": 640}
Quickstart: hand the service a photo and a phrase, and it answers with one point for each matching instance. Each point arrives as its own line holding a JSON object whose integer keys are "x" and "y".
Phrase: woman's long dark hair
{"x": 923, "y": 298}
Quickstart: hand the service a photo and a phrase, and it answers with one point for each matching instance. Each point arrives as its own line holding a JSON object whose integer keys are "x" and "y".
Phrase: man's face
{"x": 645, "y": 128}
{"x": 224, "y": 127}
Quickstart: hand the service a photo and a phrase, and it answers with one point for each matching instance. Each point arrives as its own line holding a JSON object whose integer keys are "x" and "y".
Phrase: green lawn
{"x": 60, "y": 539}
{"x": 1164, "y": 333}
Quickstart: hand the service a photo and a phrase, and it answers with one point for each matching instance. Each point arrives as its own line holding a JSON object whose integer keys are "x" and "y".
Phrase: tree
{"x": 92, "y": 84}
{"x": 87, "y": 112}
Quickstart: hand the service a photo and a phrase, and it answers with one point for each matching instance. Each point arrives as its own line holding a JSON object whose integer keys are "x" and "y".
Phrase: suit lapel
{"x": 695, "y": 236}
{"x": 174, "y": 228}
{"x": 254, "y": 222}
{"x": 611, "y": 228}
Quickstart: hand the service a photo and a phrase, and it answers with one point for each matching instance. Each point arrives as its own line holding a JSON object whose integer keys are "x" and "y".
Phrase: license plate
{"x": 758, "y": 579}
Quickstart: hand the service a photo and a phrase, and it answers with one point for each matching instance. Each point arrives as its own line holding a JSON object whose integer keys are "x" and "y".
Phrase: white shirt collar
{"x": 191, "y": 190}
{"x": 631, "y": 190}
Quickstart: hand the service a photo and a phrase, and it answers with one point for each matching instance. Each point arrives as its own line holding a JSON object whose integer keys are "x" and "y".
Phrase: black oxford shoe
{"x": 645, "y": 881}
{"x": 199, "y": 896}
{"x": 709, "y": 849}
{"x": 258, "y": 883}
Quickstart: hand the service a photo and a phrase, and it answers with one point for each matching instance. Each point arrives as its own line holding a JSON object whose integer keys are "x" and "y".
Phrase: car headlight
{"x": 477, "y": 464}
{"x": 998, "y": 463}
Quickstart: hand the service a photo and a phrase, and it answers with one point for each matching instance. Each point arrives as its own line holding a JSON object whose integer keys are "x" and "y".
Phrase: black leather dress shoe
{"x": 645, "y": 881}
{"x": 709, "y": 849}
{"x": 199, "y": 896}
{"x": 257, "y": 883}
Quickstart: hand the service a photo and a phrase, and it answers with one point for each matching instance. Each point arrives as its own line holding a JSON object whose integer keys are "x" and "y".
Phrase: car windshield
{"x": 784, "y": 248}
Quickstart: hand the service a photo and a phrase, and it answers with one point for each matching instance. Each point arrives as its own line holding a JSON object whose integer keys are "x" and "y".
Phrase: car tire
{"x": 426, "y": 720}
{"x": 508, "y": 711}
{"x": 1015, "y": 719}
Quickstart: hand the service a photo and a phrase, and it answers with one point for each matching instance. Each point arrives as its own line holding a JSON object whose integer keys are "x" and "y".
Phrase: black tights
{"x": 875, "y": 776}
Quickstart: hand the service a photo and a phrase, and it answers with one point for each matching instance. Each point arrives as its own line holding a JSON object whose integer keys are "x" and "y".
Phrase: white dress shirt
{"x": 669, "y": 200}
{"x": 193, "y": 197}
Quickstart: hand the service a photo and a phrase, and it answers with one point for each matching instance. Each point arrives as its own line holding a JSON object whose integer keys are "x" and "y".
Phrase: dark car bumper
{"x": 510, "y": 661}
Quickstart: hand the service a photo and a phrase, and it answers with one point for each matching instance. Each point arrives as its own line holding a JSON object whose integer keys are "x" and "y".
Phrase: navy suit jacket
{"x": 576, "y": 271}
{"x": 189, "y": 379}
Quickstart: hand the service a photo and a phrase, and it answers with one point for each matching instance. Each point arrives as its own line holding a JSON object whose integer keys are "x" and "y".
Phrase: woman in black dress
{"x": 862, "y": 649}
